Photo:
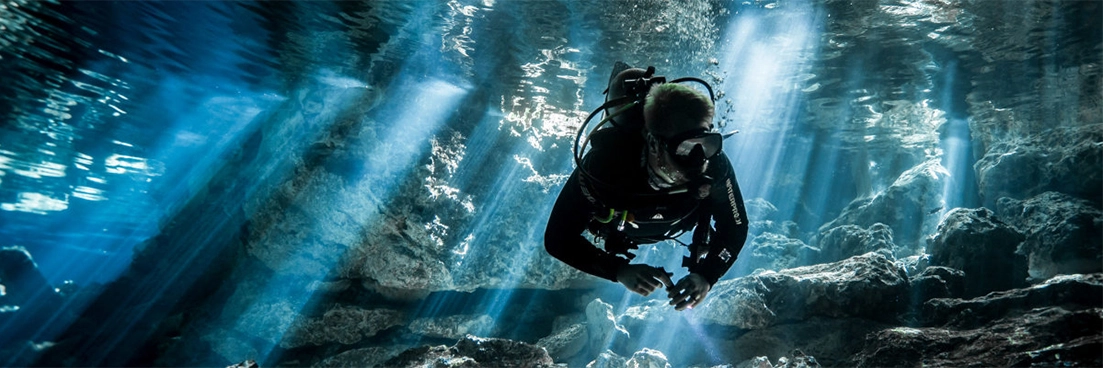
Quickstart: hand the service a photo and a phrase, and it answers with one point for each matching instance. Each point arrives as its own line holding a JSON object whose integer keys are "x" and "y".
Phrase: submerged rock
{"x": 362, "y": 357}
{"x": 1068, "y": 291}
{"x": 648, "y": 358}
{"x": 229, "y": 345}
{"x": 648, "y": 313}
{"x": 602, "y": 324}
{"x": 909, "y": 207}
{"x": 797, "y": 359}
{"x": 644, "y": 358}
{"x": 913, "y": 265}
{"x": 867, "y": 286}
{"x": 342, "y": 324}
{"x": 1065, "y": 159}
{"x": 245, "y": 364}
{"x": 847, "y": 241}
{"x": 566, "y": 343}
{"x": 759, "y": 209}
{"x": 985, "y": 248}
{"x": 472, "y": 351}
{"x": 452, "y": 327}
{"x": 937, "y": 282}
{"x": 776, "y": 252}
{"x": 832, "y": 341}
{"x": 1051, "y": 336}
{"x": 1064, "y": 235}
{"x": 763, "y": 219}
{"x": 608, "y": 359}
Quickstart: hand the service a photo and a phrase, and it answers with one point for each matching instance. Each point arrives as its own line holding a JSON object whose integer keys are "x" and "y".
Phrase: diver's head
{"x": 680, "y": 135}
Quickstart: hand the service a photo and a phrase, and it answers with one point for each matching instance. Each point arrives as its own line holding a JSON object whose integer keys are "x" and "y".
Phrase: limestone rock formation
{"x": 797, "y": 359}
{"x": 342, "y": 324}
{"x": 644, "y": 358}
{"x": 846, "y": 241}
{"x": 1069, "y": 291}
{"x": 1063, "y": 159}
{"x": 937, "y": 282}
{"x": 1064, "y": 235}
{"x": 452, "y": 327}
{"x": 1044, "y": 337}
{"x": 1053, "y": 323}
{"x": 362, "y": 357}
{"x": 245, "y": 364}
{"x": 867, "y": 286}
{"x": 764, "y": 218}
{"x": 775, "y": 252}
{"x": 832, "y": 341}
{"x": 608, "y": 359}
{"x": 985, "y": 248}
{"x": 566, "y": 343}
{"x": 909, "y": 206}
{"x": 472, "y": 351}
{"x": 601, "y": 323}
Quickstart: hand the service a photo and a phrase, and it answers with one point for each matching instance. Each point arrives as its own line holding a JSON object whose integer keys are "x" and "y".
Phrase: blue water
{"x": 118, "y": 116}
{"x": 118, "y": 111}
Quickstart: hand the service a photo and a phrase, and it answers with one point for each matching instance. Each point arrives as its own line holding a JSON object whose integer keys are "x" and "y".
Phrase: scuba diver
{"x": 655, "y": 170}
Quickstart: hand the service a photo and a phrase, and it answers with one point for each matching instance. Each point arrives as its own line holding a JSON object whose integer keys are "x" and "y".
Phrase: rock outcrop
{"x": 471, "y": 351}
{"x": 1053, "y": 323}
{"x": 937, "y": 282}
{"x": 868, "y": 286}
{"x": 985, "y": 248}
{"x": 1064, "y": 235}
{"x": 341, "y": 325}
{"x": 645, "y": 358}
{"x": 909, "y": 207}
{"x": 846, "y": 241}
{"x": 775, "y": 252}
{"x": 1063, "y": 159}
{"x": 452, "y": 327}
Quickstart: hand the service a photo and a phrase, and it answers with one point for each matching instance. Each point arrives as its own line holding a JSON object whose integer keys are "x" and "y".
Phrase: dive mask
{"x": 672, "y": 162}
{"x": 694, "y": 147}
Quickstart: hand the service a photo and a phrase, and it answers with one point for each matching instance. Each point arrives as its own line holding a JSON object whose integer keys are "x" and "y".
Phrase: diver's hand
{"x": 643, "y": 279}
{"x": 689, "y": 291}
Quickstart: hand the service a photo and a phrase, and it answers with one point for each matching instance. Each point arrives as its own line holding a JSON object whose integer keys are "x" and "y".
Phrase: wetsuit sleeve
{"x": 726, "y": 205}
{"x": 563, "y": 237}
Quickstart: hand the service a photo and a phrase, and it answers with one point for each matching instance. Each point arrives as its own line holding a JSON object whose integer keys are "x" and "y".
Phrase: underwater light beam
{"x": 416, "y": 111}
{"x": 767, "y": 59}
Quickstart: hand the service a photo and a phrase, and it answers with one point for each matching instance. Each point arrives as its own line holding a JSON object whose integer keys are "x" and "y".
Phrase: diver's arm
{"x": 726, "y": 202}
{"x": 563, "y": 237}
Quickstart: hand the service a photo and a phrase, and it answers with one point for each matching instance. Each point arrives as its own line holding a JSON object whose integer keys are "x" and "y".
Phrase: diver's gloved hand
{"x": 689, "y": 292}
{"x": 643, "y": 279}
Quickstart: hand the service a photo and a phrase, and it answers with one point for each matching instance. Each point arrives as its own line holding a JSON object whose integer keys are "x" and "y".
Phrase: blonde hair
{"x": 672, "y": 108}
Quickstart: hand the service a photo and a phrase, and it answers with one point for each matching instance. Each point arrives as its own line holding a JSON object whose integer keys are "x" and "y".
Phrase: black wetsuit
{"x": 617, "y": 163}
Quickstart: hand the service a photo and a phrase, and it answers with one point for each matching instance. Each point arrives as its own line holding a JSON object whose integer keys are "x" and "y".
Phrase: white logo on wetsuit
{"x": 731, "y": 199}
